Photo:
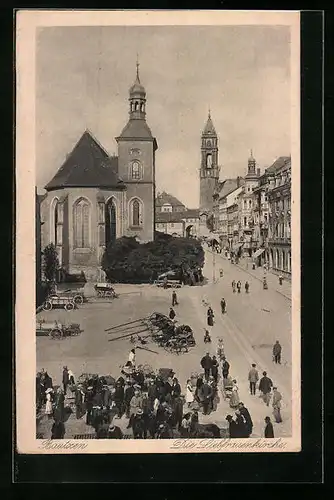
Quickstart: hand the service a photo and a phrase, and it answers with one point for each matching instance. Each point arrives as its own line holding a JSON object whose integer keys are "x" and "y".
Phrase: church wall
{"x": 127, "y": 154}
{"x": 145, "y": 193}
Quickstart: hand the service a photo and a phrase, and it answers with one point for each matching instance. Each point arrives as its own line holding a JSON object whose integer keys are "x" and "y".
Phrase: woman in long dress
{"x": 234, "y": 399}
{"x": 48, "y": 406}
{"x": 189, "y": 393}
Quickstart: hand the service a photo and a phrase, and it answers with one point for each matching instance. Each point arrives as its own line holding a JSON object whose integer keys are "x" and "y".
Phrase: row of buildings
{"x": 251, "y": 214}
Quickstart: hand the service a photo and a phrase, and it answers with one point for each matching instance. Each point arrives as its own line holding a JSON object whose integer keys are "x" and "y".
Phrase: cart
{"x": 62, "y": 301}
{"x": 56, "y": 330}
{"x": 105, "y": 290}
{"x": 77, "y": 296}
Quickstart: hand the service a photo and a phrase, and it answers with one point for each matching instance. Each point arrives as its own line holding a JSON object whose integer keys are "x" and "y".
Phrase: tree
{"x": 50, "y": 262}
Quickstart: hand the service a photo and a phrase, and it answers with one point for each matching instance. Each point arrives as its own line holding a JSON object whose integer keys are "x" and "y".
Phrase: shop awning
{"x": 258, "y": 252}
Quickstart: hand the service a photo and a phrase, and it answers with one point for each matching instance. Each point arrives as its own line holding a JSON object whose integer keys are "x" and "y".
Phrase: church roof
{"x": 136, "y": 129}
{"x": 167, "y": 198}
{"x": 88, "y": 165}
{"x": 209, "y": 127}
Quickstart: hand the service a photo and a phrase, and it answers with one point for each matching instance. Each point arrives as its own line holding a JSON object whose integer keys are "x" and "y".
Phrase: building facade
{"x": 165, "y": 202}
{"x": 95, "y": 198}
{"x": 279, "y": 237}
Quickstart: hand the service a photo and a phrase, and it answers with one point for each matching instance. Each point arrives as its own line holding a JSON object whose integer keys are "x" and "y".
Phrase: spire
{"x": 209, "y": 127}
{"x": 251, "y": 163}
{"x": 137, "y": 65}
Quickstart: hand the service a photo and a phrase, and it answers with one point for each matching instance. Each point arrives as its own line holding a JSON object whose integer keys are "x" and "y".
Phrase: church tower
{"x": 136, "y": 166}
{"x": 209, "y": 171}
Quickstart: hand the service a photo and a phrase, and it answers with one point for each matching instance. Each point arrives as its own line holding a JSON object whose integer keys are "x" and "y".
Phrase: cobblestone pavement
{"x": 251, "y": 325}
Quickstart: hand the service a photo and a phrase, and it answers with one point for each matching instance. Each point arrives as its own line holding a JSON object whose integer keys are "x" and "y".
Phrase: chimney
{"x": 258, "y": 171}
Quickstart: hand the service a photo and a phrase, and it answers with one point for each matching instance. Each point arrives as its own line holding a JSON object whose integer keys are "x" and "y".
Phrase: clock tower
{"x": 209, "y": 170}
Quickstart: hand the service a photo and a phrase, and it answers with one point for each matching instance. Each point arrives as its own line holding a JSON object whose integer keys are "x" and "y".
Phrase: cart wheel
{"x": 55, "y": 334}
{"x": 69, "y": 306}
{"x": 78, "y": 299}
{"x": 47, "y": 306}
{"x": 107, "y": 293}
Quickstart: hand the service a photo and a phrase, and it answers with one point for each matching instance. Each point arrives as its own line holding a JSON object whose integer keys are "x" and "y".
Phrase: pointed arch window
{"x": 136, "y": 172}
{"x": 54, "y": 221}
{"x": 81, "y": 220}
{"x": 136, "y": 213}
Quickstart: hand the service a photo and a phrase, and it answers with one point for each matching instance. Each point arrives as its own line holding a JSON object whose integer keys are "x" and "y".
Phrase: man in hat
{"x": 206, "y": 364}
{"x": 277, "y": 398}
{"x": 119, "y": 399}
{"x": 248, "y": 420}
{"x": 265, "y": 386}
{"x": 66, "y": 379}
{"x": 269, "y": 429}
{"x": 205, "y": 394}
{"x": 138, "y": 425}
{"x": 59, "y": 405}
{"x": 277, "y": 352}
{"x": 79, "y": 400}
{"x": 129, "y": 392}
{"x": 135, "y": 405}
{"x": 174, "y": 299}
{"x": 253, "y": 377}
{"x": 172, "y": 313}
{"x": 89, "y": 404}
{"x": 114, "y": 432}
{"x": 232, "y": 427}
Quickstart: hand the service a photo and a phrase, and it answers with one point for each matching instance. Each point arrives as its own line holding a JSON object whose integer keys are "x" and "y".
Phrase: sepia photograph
{"x": 158, "y": 171}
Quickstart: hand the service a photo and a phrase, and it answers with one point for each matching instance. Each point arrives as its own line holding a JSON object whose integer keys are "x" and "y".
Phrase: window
{"x": 54, "y": 220}
{"x": 136, "y": 212}
{"x": 250, "y": 203}
{"x": 245, "y": 221}
{"x": 245, "y": 203}
{"x": 135, "y": 170}
{"x": 81, "y": 215}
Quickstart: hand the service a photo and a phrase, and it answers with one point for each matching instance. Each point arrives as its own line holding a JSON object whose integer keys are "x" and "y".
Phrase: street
{"x": 250, "y": 326}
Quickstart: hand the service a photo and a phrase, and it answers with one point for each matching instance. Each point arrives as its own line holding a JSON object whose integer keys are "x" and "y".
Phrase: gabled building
{"x": 166, "y": 202}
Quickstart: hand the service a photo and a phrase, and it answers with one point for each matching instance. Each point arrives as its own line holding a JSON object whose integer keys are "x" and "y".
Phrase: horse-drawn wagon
{"x": 63, "y": 301}
{"x": 56, "y": 330}
{"x": 105, "y": 290}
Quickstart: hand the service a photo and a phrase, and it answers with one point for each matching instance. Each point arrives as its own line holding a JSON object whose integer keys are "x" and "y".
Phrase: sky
{"x": 242, "y": 73}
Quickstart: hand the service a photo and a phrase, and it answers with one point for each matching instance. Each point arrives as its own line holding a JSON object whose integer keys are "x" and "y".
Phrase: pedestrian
{"x": 205, "y": 394}
{"x": 210, "y": 316}
{"x": 233, "y": 286}
{"x": 48, "y": 406}
{"x": 239, "y": 286}
{"x": 206, "y": 364}
{"x": 189, "y": 393}
{"x": 66, "y": 379}
{"x": 71, "y": 380}
{"x": 232, "y": 427}
{"x": 199, "y": 384}
{"x": 174, "y": 299}
{"x": 268, "y": 430}
{"x": 119, "y": 399}
{"x": 253, "y": 377}
{"x": 265, "y": 284}
{"x": 89, "y": 404}
{"x": 178, "y": 412}
{"x": 214, "y": 368}
{"x": 277, "y": 398}
{"x": 248, "y": 420}
{"x": 185, "y": 425}
{"x": 165, "y": 282}
{"x": 172, "y": 313}
{"x": 223, "y": 305}
{"x": 247, "y": 287}
{"x": 79, "y": 400}
{"x": 280, "y": 279}
{"x": 225, "y": 367}
{"x": 265, "y": 386}
{"x": 207, "y": 338}
{"x": 277, "y": 352}
{"x": 58, "y": 430}
{"x": 114, "y": 432}
{"x": 221, "y": 273}
{"x": 176, "y": 388}
{"x": 242, "y": 429}
{"x": 132, "y": 357}
{"x": 129, "y": 392}
{"x": 234, "y": 399}
{"x": 59, "y": 405}
{"x": 220, "y": 349}
{"x": 135, "y": 405}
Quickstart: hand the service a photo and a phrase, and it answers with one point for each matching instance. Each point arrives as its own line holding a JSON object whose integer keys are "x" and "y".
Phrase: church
{"x": 95, "y": 198}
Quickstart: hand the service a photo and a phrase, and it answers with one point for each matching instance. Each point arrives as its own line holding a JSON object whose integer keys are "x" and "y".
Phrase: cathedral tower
{"x": 209, "y": 171}
{"x": 136, "y": 165}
